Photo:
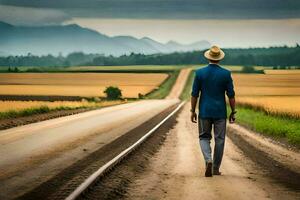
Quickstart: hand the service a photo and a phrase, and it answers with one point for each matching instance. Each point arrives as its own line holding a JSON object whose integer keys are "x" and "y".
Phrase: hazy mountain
{"x": 157, "y": 45}
{"x": 55, "y": 39}
{"x": 188, "y": 47}
{"x": 20, "y": 40}
{"x": 136, "y": 45}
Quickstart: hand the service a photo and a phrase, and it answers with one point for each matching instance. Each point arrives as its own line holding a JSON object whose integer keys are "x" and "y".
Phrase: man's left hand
{"x": 232, "y": 117}
{"x": 194, "y": 117}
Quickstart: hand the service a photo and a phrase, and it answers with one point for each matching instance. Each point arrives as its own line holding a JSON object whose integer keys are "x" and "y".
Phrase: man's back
{"x": 212, "y": 81}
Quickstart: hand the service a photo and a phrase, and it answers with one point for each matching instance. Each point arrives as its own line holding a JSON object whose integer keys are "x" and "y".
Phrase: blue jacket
{"x": 213, "y": 81}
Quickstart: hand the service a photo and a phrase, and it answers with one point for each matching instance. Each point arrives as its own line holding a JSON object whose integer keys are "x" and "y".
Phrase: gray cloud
{"x": 32, "y": 16}
{"x": 169, "y": 9}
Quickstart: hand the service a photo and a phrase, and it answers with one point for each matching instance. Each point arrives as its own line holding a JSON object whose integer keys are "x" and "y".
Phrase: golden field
{"x": 21, "y": 105}
{"x": 288, "y": 105}
{"x": 275, "y": 93}
{"x": 282, "y": 71}
{"x": 78, "y": 84}
{"x": 267, "y": 84}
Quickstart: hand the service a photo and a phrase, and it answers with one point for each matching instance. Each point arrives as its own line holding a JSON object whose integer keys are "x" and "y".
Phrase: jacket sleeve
{"x": 229, "y": 87}
{"x": 196, "y": 86}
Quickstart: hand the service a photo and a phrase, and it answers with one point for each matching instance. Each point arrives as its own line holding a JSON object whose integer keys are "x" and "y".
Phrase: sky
{"x": 228, "y": 23}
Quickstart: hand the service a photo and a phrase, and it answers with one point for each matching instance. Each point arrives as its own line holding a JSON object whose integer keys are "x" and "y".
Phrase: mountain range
{"x": 43, "y": 40}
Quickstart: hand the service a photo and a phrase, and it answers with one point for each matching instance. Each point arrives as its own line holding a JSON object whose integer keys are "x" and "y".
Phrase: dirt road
{"x": 179, "y": 84}
{"x": 177, "y": 172}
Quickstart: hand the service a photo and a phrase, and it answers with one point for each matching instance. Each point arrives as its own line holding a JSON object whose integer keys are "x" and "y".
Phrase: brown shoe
{"x": 216, "y": 172}
{"x": 208, "y": 171}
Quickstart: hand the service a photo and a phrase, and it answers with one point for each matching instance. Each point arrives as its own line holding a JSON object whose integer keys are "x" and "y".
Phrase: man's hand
{"x": 193, "y": 108}
{"x": 194, "y": 117}
{"x": 232, "y": 117}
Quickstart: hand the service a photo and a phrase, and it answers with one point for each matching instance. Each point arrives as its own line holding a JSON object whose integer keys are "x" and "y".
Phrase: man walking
{"x": 212, "y": 82}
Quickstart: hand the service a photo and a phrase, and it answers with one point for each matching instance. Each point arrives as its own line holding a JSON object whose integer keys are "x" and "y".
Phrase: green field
{"x": 134, "y": 68}
{"x": 150, "y": 67}
{"x": 276, "y": 126}
{"x": 131, "y": 67}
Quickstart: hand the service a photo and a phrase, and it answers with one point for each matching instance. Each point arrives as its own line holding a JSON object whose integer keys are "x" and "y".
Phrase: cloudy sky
{"x": 229, "y": 23}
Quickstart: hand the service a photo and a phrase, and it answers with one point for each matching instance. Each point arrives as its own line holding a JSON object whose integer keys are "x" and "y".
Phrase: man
{"x": 212, "y": 82}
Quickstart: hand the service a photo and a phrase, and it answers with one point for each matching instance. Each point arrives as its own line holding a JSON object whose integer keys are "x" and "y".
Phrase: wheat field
{"x": 267, "y": 84}
{"x": 283, "y": 71}
{"x": 78, "y": 84}
{"x": 274, "y": 93}
{"x": 287, "y": 105}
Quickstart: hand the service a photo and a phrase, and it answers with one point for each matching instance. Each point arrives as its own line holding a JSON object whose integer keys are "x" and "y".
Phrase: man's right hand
{"x": 232, "y": 117}
{"x": 194, "y": 117}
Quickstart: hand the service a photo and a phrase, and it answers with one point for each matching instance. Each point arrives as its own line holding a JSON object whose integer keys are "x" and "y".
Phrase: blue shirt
{"x": 213, "y": 82}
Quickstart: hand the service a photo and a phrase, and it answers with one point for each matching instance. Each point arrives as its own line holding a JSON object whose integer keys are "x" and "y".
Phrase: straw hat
{"x": 214, "y": 53}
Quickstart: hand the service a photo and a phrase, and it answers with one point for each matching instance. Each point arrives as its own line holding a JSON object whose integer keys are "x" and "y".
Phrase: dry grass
{"x": 282, "y": 71}
{"x": 6, "y": 106}
{"x": 78, "y": 84}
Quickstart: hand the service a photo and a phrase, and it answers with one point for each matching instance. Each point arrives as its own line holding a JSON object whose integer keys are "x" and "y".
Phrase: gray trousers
{"x": 205, "y": 127}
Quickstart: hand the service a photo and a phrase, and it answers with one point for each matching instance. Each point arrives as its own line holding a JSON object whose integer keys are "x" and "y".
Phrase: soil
{"x": 282, "y": 164}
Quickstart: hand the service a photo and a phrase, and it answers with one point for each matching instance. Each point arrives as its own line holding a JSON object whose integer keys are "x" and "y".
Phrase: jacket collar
{"x": 211, "y": 64}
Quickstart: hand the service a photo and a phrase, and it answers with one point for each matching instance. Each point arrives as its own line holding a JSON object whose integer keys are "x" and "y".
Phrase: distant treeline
{"x": 76, "y": 58}
{"x": 272, "y": 56}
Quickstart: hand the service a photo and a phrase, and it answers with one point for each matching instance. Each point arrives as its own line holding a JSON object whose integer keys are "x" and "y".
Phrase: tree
{"x": 248, "y": 69}
{"x": 16, "y": 69}
{"x": 141, "y": 96}
{"x": 113, "y": 93}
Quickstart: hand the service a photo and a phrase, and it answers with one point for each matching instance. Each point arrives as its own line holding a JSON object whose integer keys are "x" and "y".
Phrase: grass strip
{"x": 186, "y": 93}
{"x": 12, "y": 114}
{"x": 276, "y": 126}
{"x": 164, "y": 89}
{"x": 26, "y": 112}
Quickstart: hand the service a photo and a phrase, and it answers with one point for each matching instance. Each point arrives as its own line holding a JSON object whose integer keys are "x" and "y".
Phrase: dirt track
{"x": 177, "y": 172}
{"x": 179, "y": 84}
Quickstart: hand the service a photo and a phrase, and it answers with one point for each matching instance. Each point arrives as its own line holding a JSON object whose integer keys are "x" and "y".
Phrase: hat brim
{"x": 216, "y": 58}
